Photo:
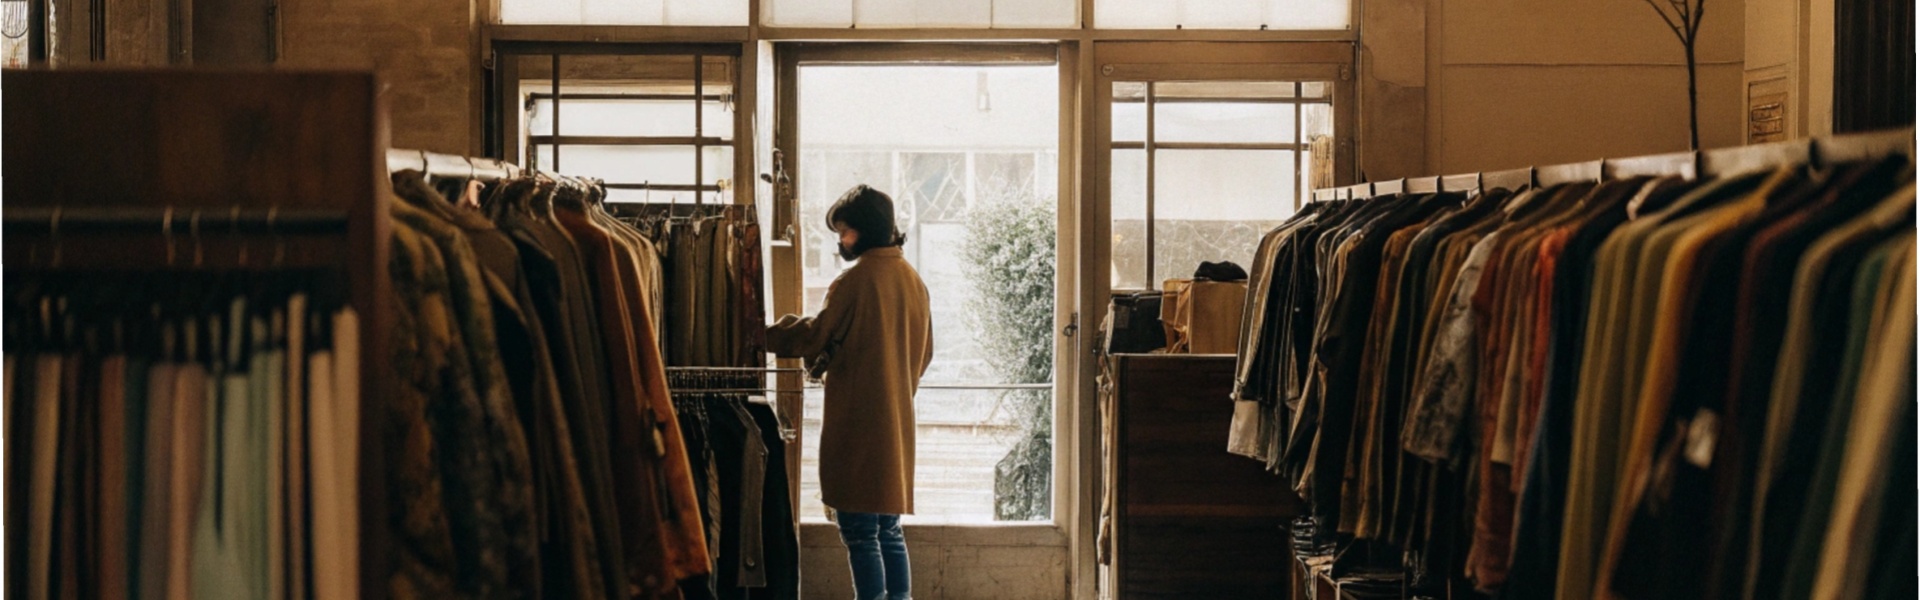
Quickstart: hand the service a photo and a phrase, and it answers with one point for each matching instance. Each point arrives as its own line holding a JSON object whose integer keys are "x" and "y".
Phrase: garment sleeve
{"x": 795, "y": 336}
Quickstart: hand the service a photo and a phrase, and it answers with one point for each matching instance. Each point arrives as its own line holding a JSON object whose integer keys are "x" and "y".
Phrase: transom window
{"x": 1279, "y": 15}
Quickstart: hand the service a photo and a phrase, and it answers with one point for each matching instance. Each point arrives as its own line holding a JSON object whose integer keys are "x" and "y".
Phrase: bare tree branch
{"x": 1699, "y": 14}
{"x": 1668, "y": 19}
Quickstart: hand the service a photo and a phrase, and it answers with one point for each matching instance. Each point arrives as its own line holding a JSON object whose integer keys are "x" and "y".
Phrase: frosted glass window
{"x": 1129, "y": 111}
{"x": 808, "y": 13}
{"x": 717, "y": 164}
{"x": 1222, "y": 90}
{"x": 631, "y": 117}
{"x": 707, "y": 12}
{"x": 1129, "y": 194}
{"x": 618, "y": 196}
{"x": 624, "y": 12}
{"x": 618, "y": 117}
{"x": 1036, "y": 13}
{"x": 1222, "y": 14}
{"x": 1129, "y": 121}
{"x": 624, "y": 164}
{"x": 968, "y": 14}
{"x": 1188, "y": 121}
{"x": 923, "y": 13}
{"x": 1316, "y": 120}
{"x": 541, "y": 12}
{"x": 716, "y": 120}
{"x": 1214, "y": 205}
{"x": 1222, "y": 185}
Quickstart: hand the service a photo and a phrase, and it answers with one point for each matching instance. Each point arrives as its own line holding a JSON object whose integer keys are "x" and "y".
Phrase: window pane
{"x": 1221, "y": 14}
{"x": 1223, "y": 90}
{"x": 934, "y": 187}
{"x": 624, "y": 164}
{"x": 1213, "y": 205}
{"x": 1036, "y": 13}
{"x": 974, "y": 14}
{"x": 624, "y": 12}
{"x": 565, "y": 12}
{"x": 1308, "y": 14}
{"x": 707, "y": 12}
{"x": 924, "y": 13}
{"x": 1315, "y": 120}
{"x": 1006, "y": 177}
{"x": 976, "y": 104}
{"x": 652, "y": 196}
{"x": 1129, "y": 193}
{"x": 961, "y": 436}
{"x": 617, "y": 117}
{"x": 1190, "y": 121}
{"x": 1129, "y": 111}
{"x": 1129, "y": 121}
{"x": 809, "y": 13}
{"x": 717, "y": 165}
{"x": 1136, "y": 14}
{"x": 716, "y": 118}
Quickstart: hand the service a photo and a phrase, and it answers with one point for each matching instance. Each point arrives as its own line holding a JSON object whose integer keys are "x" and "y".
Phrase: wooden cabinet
{"x": 1188, "y": 519}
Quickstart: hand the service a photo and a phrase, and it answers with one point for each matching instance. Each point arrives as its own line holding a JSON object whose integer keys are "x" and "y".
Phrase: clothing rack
{"x": 435, "y": 164}
{"x": 169, "y": 220}
{"x": 676, "y": 210}
{"x": 93, "y": 176}
{"x": 1820, "y": 152}
{"x": 733, "y": 370}
{"x": 734, "y": 391}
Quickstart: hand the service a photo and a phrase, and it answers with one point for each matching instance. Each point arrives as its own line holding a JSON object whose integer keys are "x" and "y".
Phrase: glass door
{"x": 969, "y": 151}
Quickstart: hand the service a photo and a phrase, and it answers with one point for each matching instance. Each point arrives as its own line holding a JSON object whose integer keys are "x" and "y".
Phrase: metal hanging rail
{"x": 1818, "y": 152}
{"x": 435, "y": 164}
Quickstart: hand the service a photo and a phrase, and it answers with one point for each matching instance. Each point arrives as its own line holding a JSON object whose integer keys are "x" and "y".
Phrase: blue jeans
{"x": 878, "y": 554}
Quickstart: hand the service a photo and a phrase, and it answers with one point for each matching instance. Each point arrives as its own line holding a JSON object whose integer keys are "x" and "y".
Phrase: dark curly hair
{"x": 869, "y": 212}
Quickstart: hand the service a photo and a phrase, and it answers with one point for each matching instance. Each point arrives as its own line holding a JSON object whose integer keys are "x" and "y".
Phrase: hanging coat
{"x": 878, "y": 313}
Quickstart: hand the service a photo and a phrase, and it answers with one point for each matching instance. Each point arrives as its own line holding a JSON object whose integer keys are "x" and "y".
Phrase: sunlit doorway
{"x": 967, "y": 141}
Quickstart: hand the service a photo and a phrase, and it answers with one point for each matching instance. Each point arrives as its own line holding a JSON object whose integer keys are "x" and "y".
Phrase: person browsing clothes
{"x": 874, "y": 339}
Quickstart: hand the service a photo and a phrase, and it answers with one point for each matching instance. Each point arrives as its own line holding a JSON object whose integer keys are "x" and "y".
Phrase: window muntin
{"x": 651, "y": 126}
{"x": 964, "y": 14}
{"x": 1200, "y": 170}
{"x": 624, "y": 12}
{"x": 1291, "y": 15}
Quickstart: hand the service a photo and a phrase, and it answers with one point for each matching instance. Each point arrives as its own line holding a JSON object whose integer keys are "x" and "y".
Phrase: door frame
{"x": 1156, "y": 61}
{"x": 788, "y": 286}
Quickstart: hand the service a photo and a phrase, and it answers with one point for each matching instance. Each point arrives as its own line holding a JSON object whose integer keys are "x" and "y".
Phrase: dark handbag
{"x": 1136, "y": 323}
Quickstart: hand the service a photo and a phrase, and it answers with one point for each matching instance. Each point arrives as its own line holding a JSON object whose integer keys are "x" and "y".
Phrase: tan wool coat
{"x": 878, "y": 310}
